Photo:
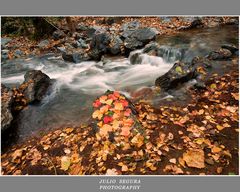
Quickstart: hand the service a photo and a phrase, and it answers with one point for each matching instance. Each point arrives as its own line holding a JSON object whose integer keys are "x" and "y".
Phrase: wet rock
{"x": 101, "y": 41}
{"x": 135, "y": 57}
{"x": 169, "y": 54}
{"x": 95, "y": 54}
{"x": 35, "y": 85}
{"x": 4, "y": 54}
{"x": 220, "y": 54}
{"x": 230, "y": 47}
{"x": 75, "y": 56}
{"x": 184, "y": 72}
{"x": 58, "y": 34}
{"x": 152, "y": 48}
{"x": 178, "y": 74}
{"x": 132, "y": 43}
{"x": 18, "y": 53}
{"x": 6, "y": 107}
{"x": 115, "y": 45}
{"x": 80, "y": 44}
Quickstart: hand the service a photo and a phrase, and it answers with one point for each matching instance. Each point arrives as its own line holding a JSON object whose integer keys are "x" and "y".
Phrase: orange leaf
{"x": 105, "y": 129}
{"x": 125, "y": 131}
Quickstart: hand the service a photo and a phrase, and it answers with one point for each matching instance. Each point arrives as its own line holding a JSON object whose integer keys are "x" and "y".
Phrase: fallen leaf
{"x": 194, "y": 158}
{"x": 17, "y": 153}
{"x": 112, "y": 172}
{"x": 138, "y": 140}
{"x": 105, "y": 129}
{"x": 97, "y": 114}
{"x": 125, "y": 131}
{"x": 216, "y": 149}
{"x": 65, "y": 163}
{"x": 173, "y": 160}
{"x": 124, "y": 168}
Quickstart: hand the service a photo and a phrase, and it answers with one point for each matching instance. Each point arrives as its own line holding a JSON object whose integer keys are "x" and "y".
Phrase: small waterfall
{"x": 164, "y": 54}
{"x": 170, "y": 54}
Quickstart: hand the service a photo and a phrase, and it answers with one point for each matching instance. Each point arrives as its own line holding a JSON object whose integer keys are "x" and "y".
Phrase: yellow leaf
{"x": 219, "y": 127}
{"x": 103, "y": 98}
{"x": 109, "y": 101}
{"x": 138, "y": 140}
{"x": 65, "y": 163}
{"x": 97, "y": 114}
{"x": 118, "y": 106}
{"x": 115, "y": 124}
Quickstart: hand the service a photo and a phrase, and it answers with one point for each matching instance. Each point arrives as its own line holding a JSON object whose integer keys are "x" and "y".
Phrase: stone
{"x": 5, "y": 41}
{"x": 115, "y": 45}
{"x": 183, "y": 72}
{"x": 75, "y": 57}
{"x": 132, "y": 43}
{"x": 230, "y": 47}
{"x": 220, "y": 54}
{"x": 146, "y": 34}
{"x": 58, "y": 34}
{"x": 101, "y": 41}
{"x": 35, "y": 85}
{"x": 6, "y": 107}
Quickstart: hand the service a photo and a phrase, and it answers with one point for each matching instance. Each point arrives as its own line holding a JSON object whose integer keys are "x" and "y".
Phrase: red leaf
{"x": 107, "y": 119}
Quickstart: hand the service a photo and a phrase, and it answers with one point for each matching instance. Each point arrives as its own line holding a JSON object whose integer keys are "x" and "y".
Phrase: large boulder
{"x": 129, "y": 28}
{"x": 145, "y": 35}
{"x": 101, "y": 41}
{"x": 132, "y": 43}
{"x": 35, "y": 85}
{"x": 6, "y": 107}
{"x": 183, "y": 72}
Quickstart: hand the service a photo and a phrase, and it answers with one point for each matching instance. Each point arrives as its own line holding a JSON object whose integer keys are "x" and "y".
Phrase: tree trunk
{"x": 71, "y": 25}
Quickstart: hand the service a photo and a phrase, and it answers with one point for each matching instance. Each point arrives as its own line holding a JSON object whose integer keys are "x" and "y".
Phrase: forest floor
{"x": 200, "y": 138}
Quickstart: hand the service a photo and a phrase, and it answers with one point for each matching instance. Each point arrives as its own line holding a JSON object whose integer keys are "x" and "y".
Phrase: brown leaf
{"x": 194, "y": 158}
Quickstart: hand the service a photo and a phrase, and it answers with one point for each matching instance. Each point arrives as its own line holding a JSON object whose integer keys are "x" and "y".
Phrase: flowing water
{"x": 77, "y": 85}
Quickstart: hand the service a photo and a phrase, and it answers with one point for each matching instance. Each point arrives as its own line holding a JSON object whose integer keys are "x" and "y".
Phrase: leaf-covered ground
{"x": 200, "y": 138}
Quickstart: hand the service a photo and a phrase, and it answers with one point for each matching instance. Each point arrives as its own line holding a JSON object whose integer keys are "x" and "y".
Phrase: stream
{"x": 69, "y": 103}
